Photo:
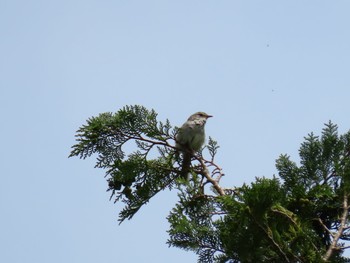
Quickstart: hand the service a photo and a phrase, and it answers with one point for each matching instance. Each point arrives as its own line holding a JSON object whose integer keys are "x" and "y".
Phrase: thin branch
{"x": 231, "y": 191}
{"x": 334, "y": 246}
{"x": 347, "y": 227}
{"x": 284, "y": 214}
{"x": 203, "y": 245}
{"x": 345, "y": 247}
{"x": 325, "y": 227}
{"x": 210, "y": 179}
{"x": 155, "y": 142}
{"x": 217, "y": 169}
{"x": 219, "y": 213}
{"x": 270, "y": 237}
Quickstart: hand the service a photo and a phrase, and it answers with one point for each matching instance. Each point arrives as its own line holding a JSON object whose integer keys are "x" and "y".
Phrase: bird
{"x": 190, "y": 139}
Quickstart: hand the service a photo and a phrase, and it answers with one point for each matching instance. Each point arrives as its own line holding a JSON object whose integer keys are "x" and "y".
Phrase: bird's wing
{"x": 184, "y": 134}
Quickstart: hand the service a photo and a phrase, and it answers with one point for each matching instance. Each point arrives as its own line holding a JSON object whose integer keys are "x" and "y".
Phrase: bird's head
{"x": 199, "y": 115}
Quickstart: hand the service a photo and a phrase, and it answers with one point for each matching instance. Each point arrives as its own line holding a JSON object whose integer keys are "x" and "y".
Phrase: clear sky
{"x": 269, "y": 71}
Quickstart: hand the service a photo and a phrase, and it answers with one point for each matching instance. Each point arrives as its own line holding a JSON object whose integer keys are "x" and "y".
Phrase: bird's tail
{"x": 186, "y": 163}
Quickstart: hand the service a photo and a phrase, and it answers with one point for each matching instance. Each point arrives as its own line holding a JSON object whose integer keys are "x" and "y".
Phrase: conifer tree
{"x": 300, "y": 215}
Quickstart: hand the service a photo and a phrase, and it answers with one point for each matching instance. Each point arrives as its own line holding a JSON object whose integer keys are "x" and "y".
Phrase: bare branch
{"x": 334, "y": 246}
{"x": 231, "y": 191}
{"x": 345, "y": 247}
{"x": 325, "y": 227}
{"x": 210, "y": 179}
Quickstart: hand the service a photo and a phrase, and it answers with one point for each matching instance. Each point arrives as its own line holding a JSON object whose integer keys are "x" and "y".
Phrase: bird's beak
{"x": 209, "y": 116}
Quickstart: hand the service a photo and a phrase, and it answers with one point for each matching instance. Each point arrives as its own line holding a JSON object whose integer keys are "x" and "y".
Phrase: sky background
{"x": 269, "y": 71}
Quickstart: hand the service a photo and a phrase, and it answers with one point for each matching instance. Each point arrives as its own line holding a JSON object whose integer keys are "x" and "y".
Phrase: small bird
{"x": 190, "y": 138}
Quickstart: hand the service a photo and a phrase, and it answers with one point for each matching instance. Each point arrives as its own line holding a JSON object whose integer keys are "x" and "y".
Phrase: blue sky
{"x": 269, "y": 71}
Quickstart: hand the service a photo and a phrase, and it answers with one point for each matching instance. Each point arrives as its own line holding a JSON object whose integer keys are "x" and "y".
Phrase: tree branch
{"x": 210, "y": 179}
{"x": 345, "y": 247}
{"x": 217, "y": 169}
{"x": 269, "y": 235}
{"x": 334, "y": 246}
{"x": 325, "y": 227}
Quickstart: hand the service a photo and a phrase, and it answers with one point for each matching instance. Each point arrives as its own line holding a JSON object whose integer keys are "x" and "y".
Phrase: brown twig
{"x": 325, "y": 227}
{"x": 334, "y": 246}
{"x": 217, "y": 169}
{"x": 210, "y": 179}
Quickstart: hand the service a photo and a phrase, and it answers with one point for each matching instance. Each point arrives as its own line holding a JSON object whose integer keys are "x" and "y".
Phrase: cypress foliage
{"x": 299, "y": 215}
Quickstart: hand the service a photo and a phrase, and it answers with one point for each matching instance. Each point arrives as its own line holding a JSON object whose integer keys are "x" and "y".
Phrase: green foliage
{"x": 191, "y": 223}
{"x": 252, "y": 227}
{"x": 212, "y": 147}
{"x": 299, "y": 216}
{"x": 291, "y": 219}
{"x": 260, "y": 228}
{"x": 136, "y": 177}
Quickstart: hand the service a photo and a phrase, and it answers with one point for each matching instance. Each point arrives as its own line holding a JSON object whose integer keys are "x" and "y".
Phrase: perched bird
{"x": 190, "y": 139}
